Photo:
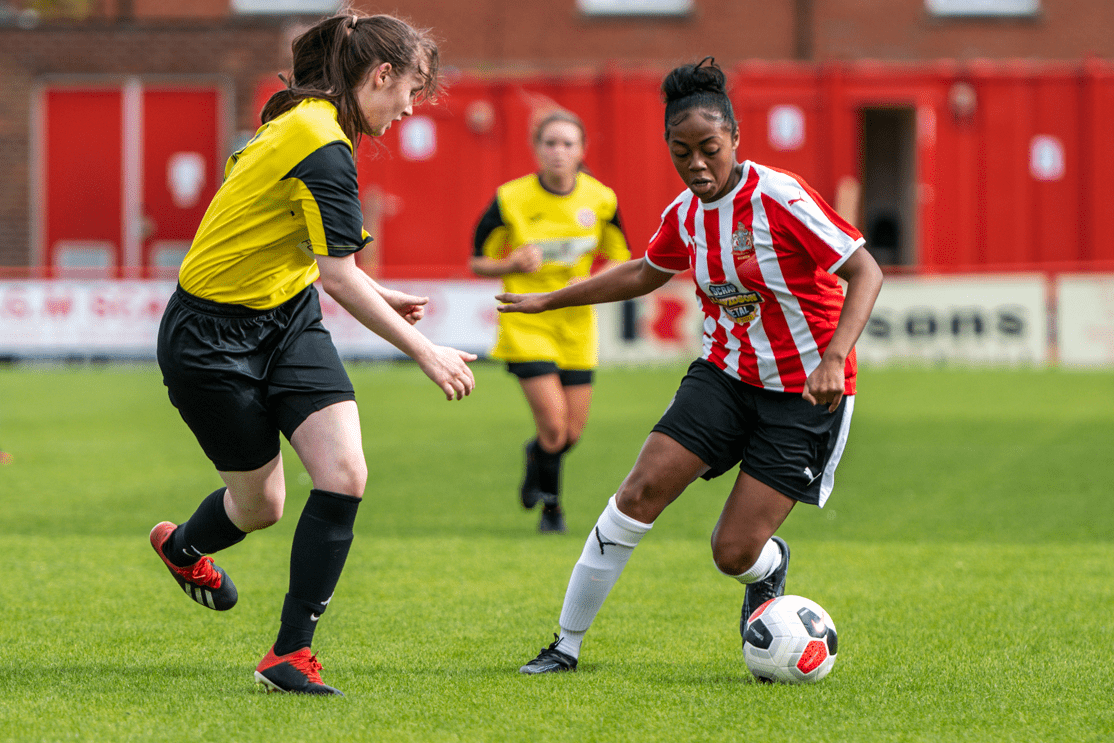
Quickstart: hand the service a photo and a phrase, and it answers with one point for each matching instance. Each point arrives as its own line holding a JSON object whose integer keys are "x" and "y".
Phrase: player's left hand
{"x": 410, "y": 307}
{"x": 528, "y": 303}
{"x": 825, "y": 385}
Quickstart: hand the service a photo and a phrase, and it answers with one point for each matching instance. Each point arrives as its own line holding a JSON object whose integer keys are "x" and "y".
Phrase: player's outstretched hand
{"x": 411, "y": 307}
{"x": 529, "y": 303}
{"x": 448, "y": 369}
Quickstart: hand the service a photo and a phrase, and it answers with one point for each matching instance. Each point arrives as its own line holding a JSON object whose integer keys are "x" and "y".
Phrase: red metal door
{"x": 126, "y": 174}
{"x": 81, "y": 170}
{"x": 182, "y": 169}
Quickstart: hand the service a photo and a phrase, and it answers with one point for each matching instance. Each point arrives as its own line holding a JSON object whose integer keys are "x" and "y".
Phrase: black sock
{"x": 209, "y": 530}
{"x": 317, "y": 555}
{"x": 549, "y": 474}
{"x": 530, "y": 480}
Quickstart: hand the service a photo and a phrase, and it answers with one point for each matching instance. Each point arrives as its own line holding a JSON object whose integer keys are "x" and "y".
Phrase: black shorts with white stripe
{"x": 778, "y": 438}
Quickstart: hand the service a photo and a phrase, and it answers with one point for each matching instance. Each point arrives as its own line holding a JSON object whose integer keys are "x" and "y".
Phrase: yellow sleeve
{"x": 613, "y": 241}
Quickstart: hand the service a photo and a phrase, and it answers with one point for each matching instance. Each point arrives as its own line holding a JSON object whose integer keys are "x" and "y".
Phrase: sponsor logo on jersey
{"x": 566, "y": 252}
{"x": 740, "y": 305}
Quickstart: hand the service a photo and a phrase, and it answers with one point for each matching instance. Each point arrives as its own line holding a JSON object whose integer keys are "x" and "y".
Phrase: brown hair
{"x": 333, "y": 58}
{"x": 551, "y": 116}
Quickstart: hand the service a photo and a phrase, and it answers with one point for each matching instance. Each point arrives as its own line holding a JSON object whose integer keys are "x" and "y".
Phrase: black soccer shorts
{"x": 778, "y": 438}
{"x": 239, "y": 376}
{"x": 568, "y": 377}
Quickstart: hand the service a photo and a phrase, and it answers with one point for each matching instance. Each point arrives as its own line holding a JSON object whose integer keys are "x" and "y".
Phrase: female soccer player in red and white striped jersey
{"x": 774, "y": 388}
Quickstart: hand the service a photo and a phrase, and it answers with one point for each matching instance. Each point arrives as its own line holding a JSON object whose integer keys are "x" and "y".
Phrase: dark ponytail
{"x": 702, "y": 85}
{"x": 333, "y": 58}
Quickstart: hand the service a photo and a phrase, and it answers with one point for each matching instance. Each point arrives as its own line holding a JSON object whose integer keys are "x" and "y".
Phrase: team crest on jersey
{"x": 740, "y": 305}
{"x": 586, "y": 217}
{"x": 742, "y": 243}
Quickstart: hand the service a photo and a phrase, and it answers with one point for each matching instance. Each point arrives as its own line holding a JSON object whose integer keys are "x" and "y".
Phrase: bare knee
{"x": 735, "y": 556}
{"x": 269, "y": 513}
{"x": 641, "y": 498}
{"x": 552, "y": 435}
{"x": 347, "y": 476}
{"x": 572, "y": 436}
{"x": 255, "y": 511}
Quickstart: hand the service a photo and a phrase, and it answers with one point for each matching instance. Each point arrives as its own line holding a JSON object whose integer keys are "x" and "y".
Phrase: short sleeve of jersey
{"x": 491, "y": 233}
{"x": 797, "y": 213}
{"x": 613, "y": 241}
{"x": 330, "y": 200}
{"x": 667, "y": 250}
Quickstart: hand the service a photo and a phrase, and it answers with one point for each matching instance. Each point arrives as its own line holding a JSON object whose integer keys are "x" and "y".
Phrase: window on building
{"x": 600, "y": 8}
{"x": 983, "y": 8}
{"x": 293, "y": 7}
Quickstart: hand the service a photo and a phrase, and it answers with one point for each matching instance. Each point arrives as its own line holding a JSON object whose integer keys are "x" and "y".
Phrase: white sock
{"x": 605, "y": 554}
{"x": 767, "y": 563}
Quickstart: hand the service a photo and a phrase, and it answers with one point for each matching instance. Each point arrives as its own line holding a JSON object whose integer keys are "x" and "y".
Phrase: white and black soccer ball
{"x": 791, "y": 640}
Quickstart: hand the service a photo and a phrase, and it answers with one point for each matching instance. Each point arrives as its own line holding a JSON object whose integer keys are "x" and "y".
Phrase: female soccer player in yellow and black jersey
{"x": 241, "y": 346}
{"x": 542, "y": 232}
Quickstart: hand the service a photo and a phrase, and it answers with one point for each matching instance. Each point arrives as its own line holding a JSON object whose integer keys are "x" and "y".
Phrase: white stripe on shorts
{"x": 828, "y": 481}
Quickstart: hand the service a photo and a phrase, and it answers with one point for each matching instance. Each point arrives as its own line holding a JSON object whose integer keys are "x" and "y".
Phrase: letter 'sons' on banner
{"x": 998, "y": 319}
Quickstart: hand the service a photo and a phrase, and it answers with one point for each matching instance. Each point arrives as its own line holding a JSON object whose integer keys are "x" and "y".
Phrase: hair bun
{"x": 703, "y": 77}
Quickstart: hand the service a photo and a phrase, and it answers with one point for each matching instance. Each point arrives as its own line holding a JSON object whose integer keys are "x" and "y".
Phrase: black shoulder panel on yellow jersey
{"x": 330, "y": 175}
{"x": 491, "y": 220}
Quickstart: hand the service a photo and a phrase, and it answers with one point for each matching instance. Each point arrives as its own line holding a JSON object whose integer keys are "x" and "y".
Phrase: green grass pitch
{"x": 966, "y": 558}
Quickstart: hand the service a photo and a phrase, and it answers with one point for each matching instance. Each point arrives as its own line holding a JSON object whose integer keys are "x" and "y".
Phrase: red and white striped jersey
{"x": 762, "y": 259}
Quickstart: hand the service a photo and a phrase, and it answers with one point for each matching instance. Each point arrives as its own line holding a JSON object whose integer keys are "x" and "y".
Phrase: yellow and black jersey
{"x": 572, "y": 230}
{"x": 289, "y": 195}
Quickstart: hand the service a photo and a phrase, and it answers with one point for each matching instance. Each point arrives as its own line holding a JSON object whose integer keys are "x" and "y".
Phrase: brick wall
{"x": 541, "y": 33}
{"x": 904, "y": 30}
{"x": 241, "y": 52}
{"x": 180, "y": 37}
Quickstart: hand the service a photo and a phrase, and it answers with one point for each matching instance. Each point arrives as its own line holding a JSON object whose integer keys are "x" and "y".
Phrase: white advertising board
{"x": 1085, "y": 319}
{"x": 81, "y": 318}
{"x": 994, "y": 319}
{"x": 120, "y": 319}
{"x": 664, "y": 326}
{"x": 460, "y": 314}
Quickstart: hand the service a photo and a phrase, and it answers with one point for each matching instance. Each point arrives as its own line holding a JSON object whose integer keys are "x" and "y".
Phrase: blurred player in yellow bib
{"x": 542, "y": 232}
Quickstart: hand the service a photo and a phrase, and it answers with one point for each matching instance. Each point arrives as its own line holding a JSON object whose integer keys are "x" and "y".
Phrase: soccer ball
{"x": 790, "y": 639}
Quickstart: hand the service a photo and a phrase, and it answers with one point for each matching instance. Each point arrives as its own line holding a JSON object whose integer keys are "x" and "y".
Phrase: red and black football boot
{"x": 203, "y": 581}
{"x": 296, "y": 673}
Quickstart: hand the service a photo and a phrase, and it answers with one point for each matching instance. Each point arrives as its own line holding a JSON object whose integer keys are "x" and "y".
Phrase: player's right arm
{"x": 624, "y": 281}
{"x": 524, "y": 259}
{"x": 345, "y": 282}
{"x": 489, "y": 242}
